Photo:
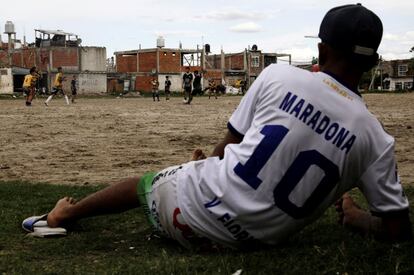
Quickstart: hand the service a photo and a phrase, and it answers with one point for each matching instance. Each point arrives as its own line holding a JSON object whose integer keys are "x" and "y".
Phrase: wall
{"x": 91, "y": 83}
{"x": 231, "y": 80}
{"x": 126, "y": 63}
{"x": 234, "y": 62}
{"x": 143, "y": 83}
{"x": 67, "y": 58}
{"x": 4, "y": 61}
{"x": 407, "y": 81}
{"x": 88, "y": 83}
{"x": 255, "y": 71}
{"x": 115, "y": 86}
{"x": 43, "y": 59}
{"x": 93, "y": 59}
{"x": 176, "y": 82}
{"x": 6, "y": 81}
{"x": 170, "y": 61}
{"x": 147, "y": 61}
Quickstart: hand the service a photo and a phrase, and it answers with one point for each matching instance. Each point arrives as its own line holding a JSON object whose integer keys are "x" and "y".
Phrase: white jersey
{"x": 307, "y": 139}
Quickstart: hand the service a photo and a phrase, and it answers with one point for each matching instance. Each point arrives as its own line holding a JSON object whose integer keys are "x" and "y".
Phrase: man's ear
{"x": 322, "y": 48}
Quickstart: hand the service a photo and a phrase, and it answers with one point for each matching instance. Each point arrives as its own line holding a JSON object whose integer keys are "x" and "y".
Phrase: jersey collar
{"x": 334, "y": 76}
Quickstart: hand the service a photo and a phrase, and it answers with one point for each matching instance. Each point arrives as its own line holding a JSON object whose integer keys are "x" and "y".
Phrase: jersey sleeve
{"x": 381, "y": 185}
{"x": 242, "y": 118}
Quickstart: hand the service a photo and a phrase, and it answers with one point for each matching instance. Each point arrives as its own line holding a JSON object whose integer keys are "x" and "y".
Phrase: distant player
{"x": 155, "y": 92}
{"x": 187, "y": 86}
{"x": 211, "y": 88}
{"x": 167, "y": 87}
{"x": 197, "y": 87}
{"x": 296, "y": 144}
{"x": 58, "y": 87}
{"x": 29, "y": 85}
{"x": 243, "y": 86}
{"x": 74, "y": 88}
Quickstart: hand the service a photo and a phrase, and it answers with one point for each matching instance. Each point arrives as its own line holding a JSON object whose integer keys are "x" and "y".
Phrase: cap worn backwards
{"x": 352, "y": 28}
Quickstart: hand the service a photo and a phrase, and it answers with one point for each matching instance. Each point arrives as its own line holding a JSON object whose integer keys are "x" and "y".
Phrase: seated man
{"x": 295, "y": 145}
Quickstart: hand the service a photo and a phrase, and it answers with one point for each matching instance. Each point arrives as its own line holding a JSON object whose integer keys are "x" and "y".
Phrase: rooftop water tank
{"x": 160, "y": 42}
{"x": 9, "y": 27}
{"x": 207, "y": 48}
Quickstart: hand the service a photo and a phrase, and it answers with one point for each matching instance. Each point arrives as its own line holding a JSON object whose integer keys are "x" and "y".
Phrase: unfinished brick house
{"x": 139, "y": 66}
{"x": 53, "y": 49}
{"x": 245, "y": 65}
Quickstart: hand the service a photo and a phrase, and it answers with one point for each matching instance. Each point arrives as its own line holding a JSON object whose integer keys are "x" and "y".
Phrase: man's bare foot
{"x": 350, "y": 210}
{"x": 198, "y": 155}
{"x": 350, "y": 215}
{"x": 60, "y": 213}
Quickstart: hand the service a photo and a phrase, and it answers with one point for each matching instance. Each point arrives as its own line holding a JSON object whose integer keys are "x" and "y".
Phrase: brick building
{"x": 53, "y": 49}
{"x": 246, "y": 65}
{"x": 139, "y": 66}
{"x": 397, "y": 74}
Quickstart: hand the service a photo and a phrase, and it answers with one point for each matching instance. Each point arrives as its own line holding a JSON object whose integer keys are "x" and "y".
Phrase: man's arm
{"x": 228, "y": 138}
{"x": 394, "y": 227}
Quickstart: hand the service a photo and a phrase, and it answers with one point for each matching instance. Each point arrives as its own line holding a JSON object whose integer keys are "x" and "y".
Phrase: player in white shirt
{"x": 296, "y": 144}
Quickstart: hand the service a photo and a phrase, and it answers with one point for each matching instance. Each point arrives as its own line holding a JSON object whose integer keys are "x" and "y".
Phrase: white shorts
{"x": 162, "y": 208}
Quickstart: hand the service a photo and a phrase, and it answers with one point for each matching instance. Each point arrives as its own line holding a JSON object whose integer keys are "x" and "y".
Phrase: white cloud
{"x": 180, "y": 33}
{"x": 397, "y": 45}
{"x": 246, "y": 27}
{"x": 232, "y": 15}
{"x": 391, "y": 37}
{"x": 407, "y": 36}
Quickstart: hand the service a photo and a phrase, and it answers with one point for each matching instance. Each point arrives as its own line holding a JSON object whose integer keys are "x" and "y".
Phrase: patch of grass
{"x": 119, "y": 244}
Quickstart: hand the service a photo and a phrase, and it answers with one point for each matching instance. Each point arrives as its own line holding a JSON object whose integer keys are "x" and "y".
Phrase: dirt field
{"x": 102, "y": 140}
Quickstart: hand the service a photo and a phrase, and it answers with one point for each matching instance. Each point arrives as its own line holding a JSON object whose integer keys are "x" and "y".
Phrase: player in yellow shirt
{"x": 58, "y": 87}
{"x": 29, "y": 84}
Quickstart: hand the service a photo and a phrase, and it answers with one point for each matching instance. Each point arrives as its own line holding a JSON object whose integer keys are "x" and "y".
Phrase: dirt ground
{"x": 104, "y": 139}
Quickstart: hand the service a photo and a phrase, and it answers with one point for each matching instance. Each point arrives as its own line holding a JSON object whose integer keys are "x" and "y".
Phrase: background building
{"x": 135, "y": 68}
{"x": 397, "y": 74}
{"x": 52, "y": 49}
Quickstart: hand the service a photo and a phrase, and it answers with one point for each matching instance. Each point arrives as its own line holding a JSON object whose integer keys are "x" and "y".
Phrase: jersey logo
{"x": 320, "y": 123}
{"x": 212, "y": 203}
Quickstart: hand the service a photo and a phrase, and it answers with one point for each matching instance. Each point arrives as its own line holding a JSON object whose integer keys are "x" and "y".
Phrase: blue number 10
{"x": 273, "y": 136}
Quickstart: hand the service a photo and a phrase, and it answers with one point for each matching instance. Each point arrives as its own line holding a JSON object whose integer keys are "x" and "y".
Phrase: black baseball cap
{"x": 352, "y": 29}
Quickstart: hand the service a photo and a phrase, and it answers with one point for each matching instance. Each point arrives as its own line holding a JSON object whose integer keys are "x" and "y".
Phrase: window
{"x": 402, "y": 70}
{"x": 398, "y": 86}
{"x": 255, "y": 61}
{"x": 408, "y": 85}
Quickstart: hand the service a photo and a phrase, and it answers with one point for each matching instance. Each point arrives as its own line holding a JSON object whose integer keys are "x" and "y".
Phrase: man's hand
{"x": 392, "y": 227}
{"x": 351, "y": 216}
{"x": 229, "y": 138}
{"x": 198, "y": 155}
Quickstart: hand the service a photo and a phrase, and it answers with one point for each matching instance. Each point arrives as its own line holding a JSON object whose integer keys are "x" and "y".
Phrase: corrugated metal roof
{"x": 58, "y": 32}
{"x": 20, "y": 71}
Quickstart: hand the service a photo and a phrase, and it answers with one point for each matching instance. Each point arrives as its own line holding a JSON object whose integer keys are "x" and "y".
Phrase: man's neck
{"x": 345, "y": 76}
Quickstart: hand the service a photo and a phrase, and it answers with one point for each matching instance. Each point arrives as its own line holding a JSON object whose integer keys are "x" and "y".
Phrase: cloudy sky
{"x": 275, "y": 26}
